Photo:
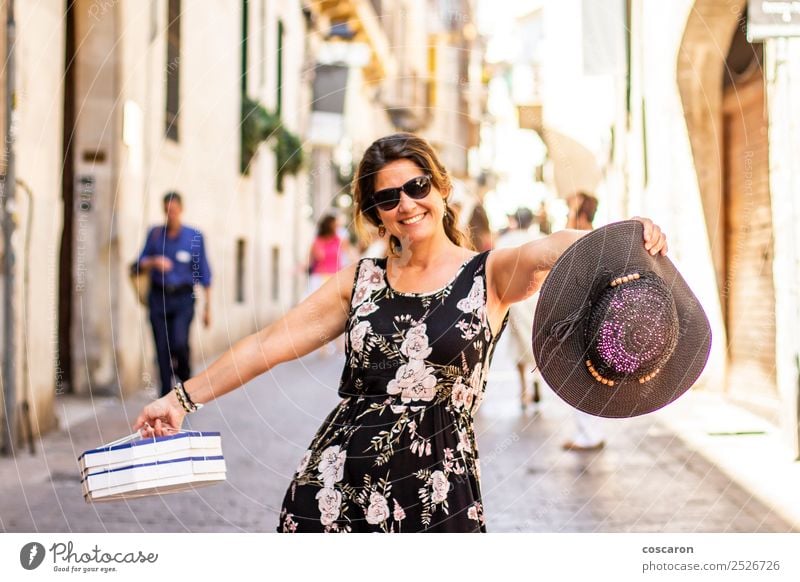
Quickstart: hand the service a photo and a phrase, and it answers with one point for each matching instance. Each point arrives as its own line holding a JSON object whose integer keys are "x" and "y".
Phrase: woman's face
{"x": 411, "y": 220}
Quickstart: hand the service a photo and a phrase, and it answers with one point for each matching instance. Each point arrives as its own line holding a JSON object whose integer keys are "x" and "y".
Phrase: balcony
{"x": 357, "y": 21}
{"x": 406, "y": 101}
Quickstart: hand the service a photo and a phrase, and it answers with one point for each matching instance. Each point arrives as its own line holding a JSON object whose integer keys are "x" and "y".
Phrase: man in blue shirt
{"x": 175, "y": 256}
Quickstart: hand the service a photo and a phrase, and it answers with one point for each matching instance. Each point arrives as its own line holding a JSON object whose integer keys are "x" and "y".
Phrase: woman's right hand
{"x": 161, "y": 417}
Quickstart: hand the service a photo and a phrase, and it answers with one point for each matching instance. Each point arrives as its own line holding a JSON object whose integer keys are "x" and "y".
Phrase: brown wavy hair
{"x": 402, "y": 146}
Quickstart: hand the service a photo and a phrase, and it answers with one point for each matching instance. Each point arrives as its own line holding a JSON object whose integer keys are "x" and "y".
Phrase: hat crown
{"x": 632, "y": 328}
{"x": 602, "y": 269}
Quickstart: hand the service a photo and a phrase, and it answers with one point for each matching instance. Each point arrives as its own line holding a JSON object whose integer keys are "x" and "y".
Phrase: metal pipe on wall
{"x": 9, "y": 330}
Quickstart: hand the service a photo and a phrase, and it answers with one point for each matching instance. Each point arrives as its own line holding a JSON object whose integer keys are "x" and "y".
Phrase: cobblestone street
{"x": 645, "y": 480}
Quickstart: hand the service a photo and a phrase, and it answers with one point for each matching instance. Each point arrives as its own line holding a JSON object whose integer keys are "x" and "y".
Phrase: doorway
{"x": 749, "y": 294}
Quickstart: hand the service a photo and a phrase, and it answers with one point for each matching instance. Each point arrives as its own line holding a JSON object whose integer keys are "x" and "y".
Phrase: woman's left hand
{"x": 655, "y": 241}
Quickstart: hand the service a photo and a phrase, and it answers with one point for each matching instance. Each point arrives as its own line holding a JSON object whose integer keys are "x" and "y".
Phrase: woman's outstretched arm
{"x": 517, "y": 273}
{"x": 309, "y": 325}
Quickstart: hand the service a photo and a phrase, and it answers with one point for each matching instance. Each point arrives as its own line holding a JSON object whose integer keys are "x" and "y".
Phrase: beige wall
{"x": 271, "y": 219}
{"x": 673, "y": 193}
{"x": 783, "y": 78}
{"x": 95, "y": 280}
{"x": 579, "y": 112}
{"x": 204, "y": 164}
{"x": 120, "y": 108}
{"x": 678, "y": 61}
{"x": 39, "y": 60}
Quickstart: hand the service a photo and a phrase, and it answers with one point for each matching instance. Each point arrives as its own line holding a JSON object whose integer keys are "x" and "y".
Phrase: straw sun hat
{"x": 617, "y": 332}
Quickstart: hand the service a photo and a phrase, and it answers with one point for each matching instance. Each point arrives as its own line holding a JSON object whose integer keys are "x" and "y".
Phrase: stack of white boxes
{"x": 124, "y": 470}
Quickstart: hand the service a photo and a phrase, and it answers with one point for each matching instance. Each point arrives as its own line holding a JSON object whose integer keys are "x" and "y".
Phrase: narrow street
{"x": 645, "y": 480}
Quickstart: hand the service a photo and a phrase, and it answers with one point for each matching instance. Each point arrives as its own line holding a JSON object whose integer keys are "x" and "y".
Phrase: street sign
{"x": 772, "y": 19}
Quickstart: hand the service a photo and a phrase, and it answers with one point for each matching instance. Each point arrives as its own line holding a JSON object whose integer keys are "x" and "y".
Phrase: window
{"x": 240, "y": 262}
{"x": 245, "y": 27}
{"x": 153, "y": 19}
{"x": 628, "y": 46}
{"x": 278, "y": 101}
{"x": 276, "y": 273}
{"x": 262, "y": 44}
{"x": 279, "y": 97}
{"x": 644, "y": 146}
{"x": 173, "y": 67}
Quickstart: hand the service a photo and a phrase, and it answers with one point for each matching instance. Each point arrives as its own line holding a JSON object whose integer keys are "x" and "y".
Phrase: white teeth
{"x": 414, "y": 219}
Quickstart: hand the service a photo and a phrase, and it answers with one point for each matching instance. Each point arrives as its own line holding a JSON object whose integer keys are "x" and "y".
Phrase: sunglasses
{"x": 388, "y": 198}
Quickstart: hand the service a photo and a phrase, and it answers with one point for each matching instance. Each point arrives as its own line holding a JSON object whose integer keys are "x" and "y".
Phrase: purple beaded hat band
{"x": 618, "y": 332}
{"x": 632, "y": 329}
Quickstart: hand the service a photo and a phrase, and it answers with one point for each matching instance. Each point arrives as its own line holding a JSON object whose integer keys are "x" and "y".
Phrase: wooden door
{"x": 748, "y": 290}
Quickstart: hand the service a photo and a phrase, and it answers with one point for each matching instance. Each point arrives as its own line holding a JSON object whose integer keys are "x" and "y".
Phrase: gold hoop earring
{"x": 381, "y": 231}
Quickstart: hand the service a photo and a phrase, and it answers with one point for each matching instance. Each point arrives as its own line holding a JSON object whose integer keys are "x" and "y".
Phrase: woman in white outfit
{"x": 589, "y": 434}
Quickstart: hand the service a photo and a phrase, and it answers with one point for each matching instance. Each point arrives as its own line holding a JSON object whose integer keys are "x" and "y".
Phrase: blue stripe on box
{"x": 148, "y": 441}
{"x": 181, "y": 460}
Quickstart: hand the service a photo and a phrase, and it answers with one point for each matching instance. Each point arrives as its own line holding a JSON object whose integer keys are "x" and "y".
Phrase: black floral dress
{"x": 398, "y": 453}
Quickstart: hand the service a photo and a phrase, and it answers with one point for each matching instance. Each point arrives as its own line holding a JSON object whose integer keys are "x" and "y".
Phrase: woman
{"x": 520, "y": 315}
{"x": 398, "y": 453}
{"x": 480, "y": 231}
{"x": 328, "y": 253}
{"x": 588, "y": 435}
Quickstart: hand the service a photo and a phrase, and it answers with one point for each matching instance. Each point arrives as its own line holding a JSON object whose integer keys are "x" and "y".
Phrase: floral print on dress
{"x": 474, "y": 300}
{"x": 415, "y": 346}
{"x": 398, "y": 513}
{"x": 476, "y": 512}
{"x": 460, "y": 393}
{"x": 366, "y": 309}
{"x": 439, "y": 487}
{"x": 357, "y": 335}
{"x": 414, "y": 381}
{"x": 370, "y": 279}
{"x": 331, "y": 465}
{"x": 289, "y": 525}
{"x": 378, "y": 510}
{"x": 330, "y": 502}
{"x": 303, "y": 463}
{"x": 398, "y": 453}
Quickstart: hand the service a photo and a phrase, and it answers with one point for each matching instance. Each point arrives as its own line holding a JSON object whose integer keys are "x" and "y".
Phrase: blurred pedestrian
{"x": 175, "y": 256}
{"x": 582, "y": 209}
{"x": 480, "y": 231}
{"x": 543, "y": 219}
{"x": 520, "y": 315}
{"x": 589, "y": 434}
{"x": 329, "y": 252}
{"x": 398, "y": 452}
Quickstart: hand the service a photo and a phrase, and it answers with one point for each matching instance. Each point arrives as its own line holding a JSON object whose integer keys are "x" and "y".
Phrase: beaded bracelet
{"x": 183, "y": 398}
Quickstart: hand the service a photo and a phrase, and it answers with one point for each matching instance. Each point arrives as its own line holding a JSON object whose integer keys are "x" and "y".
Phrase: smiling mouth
{"x": 414, "y": 219}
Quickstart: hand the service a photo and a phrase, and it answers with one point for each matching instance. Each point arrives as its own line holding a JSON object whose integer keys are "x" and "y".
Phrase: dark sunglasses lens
{"x": 387, "y": 199}
{"x": 418, "y": 187}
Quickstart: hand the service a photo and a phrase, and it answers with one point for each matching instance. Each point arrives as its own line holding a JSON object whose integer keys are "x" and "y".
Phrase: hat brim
{"x": 617, "y": 248}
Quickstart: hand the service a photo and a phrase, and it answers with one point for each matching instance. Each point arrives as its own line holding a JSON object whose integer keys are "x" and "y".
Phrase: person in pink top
{"x": 329, "y": 253}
